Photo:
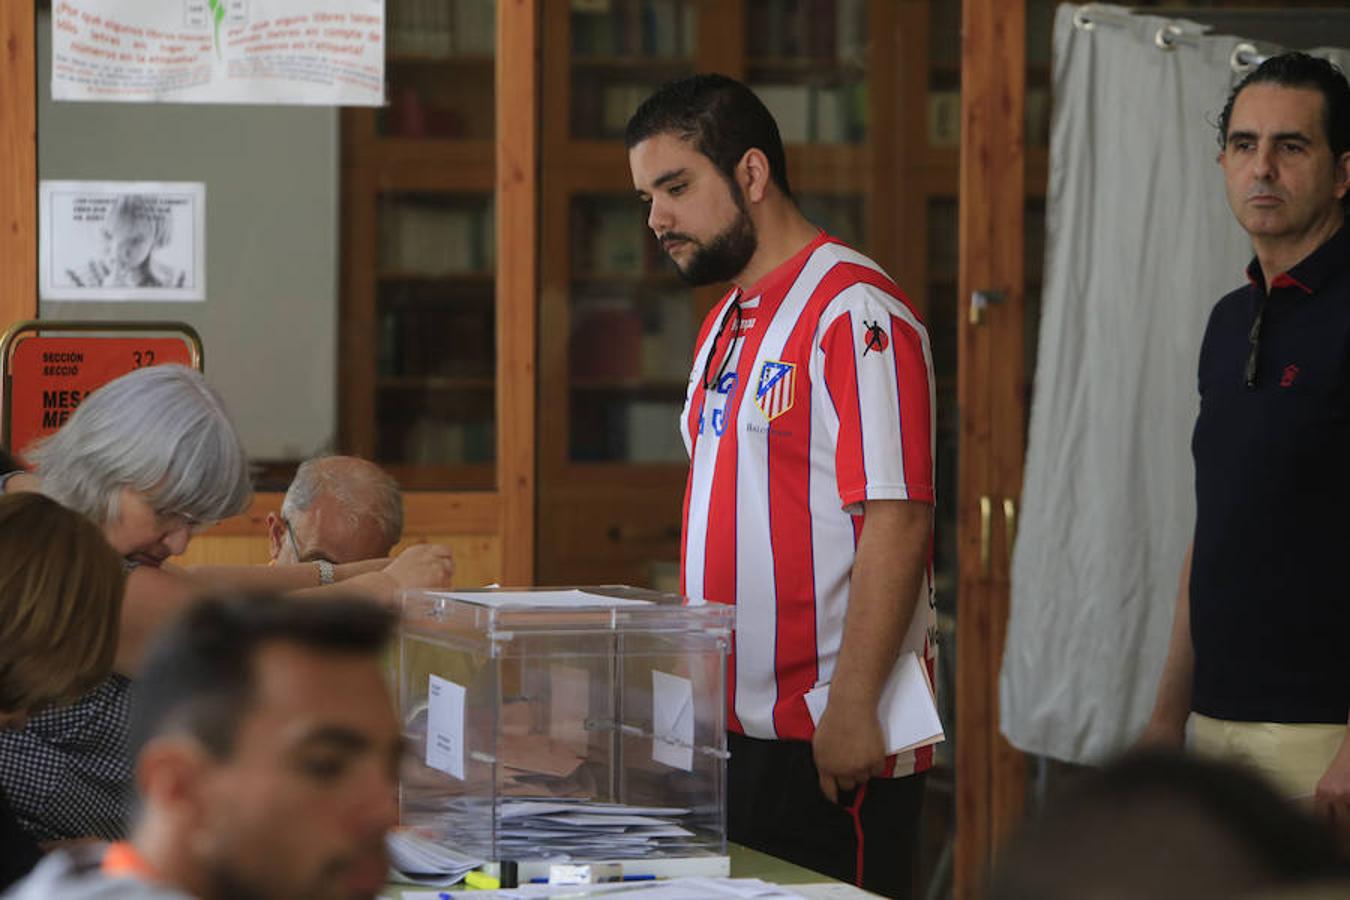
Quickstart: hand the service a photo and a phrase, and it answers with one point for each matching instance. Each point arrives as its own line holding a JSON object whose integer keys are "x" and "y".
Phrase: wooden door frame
{"x": 517, "y": 177}
{"x": 18, "y": 162}
{"x": 990, "y": 774}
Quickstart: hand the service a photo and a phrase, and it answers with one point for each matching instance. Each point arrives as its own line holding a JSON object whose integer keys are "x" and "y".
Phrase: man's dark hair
{"x": 1301, "y": 70}
{"x": 199, "y": 677}
{"x": 720, "y": 115}
{"x": 1161, "y": 824}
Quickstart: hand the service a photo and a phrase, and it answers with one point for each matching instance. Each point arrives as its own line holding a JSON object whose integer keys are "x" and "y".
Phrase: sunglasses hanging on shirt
{"x": 1254, "y": 339}
{"x": 733, "y": 311}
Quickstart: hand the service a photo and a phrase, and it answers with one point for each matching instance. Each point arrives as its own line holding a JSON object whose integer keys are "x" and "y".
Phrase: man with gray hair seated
{"x": 338, "y": 509}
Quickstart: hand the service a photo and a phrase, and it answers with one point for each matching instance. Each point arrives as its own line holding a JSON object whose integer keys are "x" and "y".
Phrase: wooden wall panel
{"x": 478, "y": 558}
{"x": 467, "y": 522}
{"x": 18, "y": 163}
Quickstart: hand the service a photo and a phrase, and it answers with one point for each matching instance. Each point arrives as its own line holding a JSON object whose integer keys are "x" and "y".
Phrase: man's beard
{"x": 722, "y": 258}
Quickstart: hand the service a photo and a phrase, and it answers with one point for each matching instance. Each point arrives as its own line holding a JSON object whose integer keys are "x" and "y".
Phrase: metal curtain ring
{"x": 1236, "y": 61}
{"x": 1166, "y": 37}
{"x": 1081, "y": 20}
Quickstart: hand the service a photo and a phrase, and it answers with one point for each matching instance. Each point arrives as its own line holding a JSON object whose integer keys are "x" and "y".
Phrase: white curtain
{"x": 1140, "y": 245}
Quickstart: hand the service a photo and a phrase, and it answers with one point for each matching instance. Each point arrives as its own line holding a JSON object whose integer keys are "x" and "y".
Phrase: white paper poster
{"x": 321, "y": 52}
{"x": 122, "y": 240}
{"x": 445, "y": 726}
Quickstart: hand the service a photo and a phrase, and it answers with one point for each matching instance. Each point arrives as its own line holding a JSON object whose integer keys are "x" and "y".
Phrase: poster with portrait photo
{"x": 122, "y": 240}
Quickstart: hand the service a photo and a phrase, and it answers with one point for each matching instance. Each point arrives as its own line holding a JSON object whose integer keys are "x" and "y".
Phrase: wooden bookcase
{"x": 437, "y": 336}
{"x": 418, "y": 328}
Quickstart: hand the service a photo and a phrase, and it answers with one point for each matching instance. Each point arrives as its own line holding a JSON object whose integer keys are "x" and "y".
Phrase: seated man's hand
{"x": 422, "y": 566}
{"x": 849, "y": 748}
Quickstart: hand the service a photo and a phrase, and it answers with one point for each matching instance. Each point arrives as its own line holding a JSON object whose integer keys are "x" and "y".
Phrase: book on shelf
{"x": 816, "y": 29}
{"x": 618, "y": 102}
{"x": 437, "y": 341}
{"x": 943, "y": 236}
{"x": 653, "y": 433}
{"x": 436, "y": 239}
{"x": 851, "y": 36}
{"x": 419, "y": 29}
{"x": 840, "y": 215}
{"x": 433, "y": 441}
{"x": 475, "y": 27}
{"x": 606, "y": 340}
{"x": 667, "y": 336}
{"x": 608, "y": 238}
{"x": 944, "y": 118}
{"x": 440, "y": 29}
{"x": 790, "y": 105}
{"x": 817, "y": 114}
{"x": 634, "y": 29}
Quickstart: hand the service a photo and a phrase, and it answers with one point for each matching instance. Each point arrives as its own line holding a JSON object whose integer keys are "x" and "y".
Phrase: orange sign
{"x": 51, "y": 375}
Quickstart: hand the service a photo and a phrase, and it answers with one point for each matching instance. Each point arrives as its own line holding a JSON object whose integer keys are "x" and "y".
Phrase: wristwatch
{"x": 325, "y": 571}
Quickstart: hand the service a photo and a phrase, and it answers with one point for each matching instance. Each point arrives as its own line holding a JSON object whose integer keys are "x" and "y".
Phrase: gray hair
{"x": 361, "y": 489}
{"x": 160, "y": 431}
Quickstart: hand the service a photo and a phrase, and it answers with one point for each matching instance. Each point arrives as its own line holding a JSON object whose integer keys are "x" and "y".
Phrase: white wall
{"x": 269, "y": 323}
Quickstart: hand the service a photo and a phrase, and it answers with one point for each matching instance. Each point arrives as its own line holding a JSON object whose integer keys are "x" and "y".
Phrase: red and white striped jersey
{"x": 825, "y": 400}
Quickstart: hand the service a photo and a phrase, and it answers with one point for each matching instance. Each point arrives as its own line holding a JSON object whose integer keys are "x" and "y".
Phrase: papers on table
{"x": 573, "y": 599}
{"x": 563, "y": 830}
{"x": 688, "y": 888}
{"x": 584, "y": 830}
{"x": 418, "y": 859}
{"x": 908, "y": 712}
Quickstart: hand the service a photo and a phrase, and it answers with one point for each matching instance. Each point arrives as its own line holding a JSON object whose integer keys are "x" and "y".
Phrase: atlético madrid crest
{"x": 773, "y": 394}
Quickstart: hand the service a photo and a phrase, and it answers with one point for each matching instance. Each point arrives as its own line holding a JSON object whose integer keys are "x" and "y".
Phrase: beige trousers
{"x": 1292, "y": 756}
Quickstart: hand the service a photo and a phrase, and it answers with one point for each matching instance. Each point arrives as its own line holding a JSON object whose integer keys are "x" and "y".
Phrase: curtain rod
{"x": 1245, "y": 56}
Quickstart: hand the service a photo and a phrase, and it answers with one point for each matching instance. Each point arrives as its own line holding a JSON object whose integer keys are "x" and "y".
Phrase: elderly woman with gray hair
{"x": 150, "y": 457}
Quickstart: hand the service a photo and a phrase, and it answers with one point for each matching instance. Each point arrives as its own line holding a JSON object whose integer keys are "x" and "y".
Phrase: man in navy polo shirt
{"x": 1259, "y": 659}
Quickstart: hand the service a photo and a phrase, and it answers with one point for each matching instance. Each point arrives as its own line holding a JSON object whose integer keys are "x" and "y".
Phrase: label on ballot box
{"x": 445, "y": 726}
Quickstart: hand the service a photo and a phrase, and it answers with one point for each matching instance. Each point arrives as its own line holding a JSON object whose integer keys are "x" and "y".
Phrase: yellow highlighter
{"x": 481, "y": 881}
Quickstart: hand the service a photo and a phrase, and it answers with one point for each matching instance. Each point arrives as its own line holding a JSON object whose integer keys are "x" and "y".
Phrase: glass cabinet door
{"x": 631, "y": 336}
{"x": 419, "y": 367}
{"x": 621, "y": 51}
{"x": 440, "y": 69}
{"x": 436, "y": 349}
{"x": 807, "y": 61}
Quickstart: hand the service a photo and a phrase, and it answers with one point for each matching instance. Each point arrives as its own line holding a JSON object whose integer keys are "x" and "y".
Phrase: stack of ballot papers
{"x": 565, "y": 829}
{"x": 416, "y": 858}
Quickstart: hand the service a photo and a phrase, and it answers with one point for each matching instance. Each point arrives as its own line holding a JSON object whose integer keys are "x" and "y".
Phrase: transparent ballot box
{"x": 567, "y": 726}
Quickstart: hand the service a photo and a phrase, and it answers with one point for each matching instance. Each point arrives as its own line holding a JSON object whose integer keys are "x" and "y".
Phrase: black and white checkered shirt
{"x": 68, "y": 772}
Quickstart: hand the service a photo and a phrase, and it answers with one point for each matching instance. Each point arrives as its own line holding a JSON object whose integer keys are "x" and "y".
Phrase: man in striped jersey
{"x": 809, "y": 424}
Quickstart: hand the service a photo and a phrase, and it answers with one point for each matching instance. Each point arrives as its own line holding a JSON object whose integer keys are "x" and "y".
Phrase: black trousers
{"x": 775, "y": 805}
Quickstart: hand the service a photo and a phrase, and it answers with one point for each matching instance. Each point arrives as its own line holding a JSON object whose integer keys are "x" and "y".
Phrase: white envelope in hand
{"x": 907, "y": 710}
